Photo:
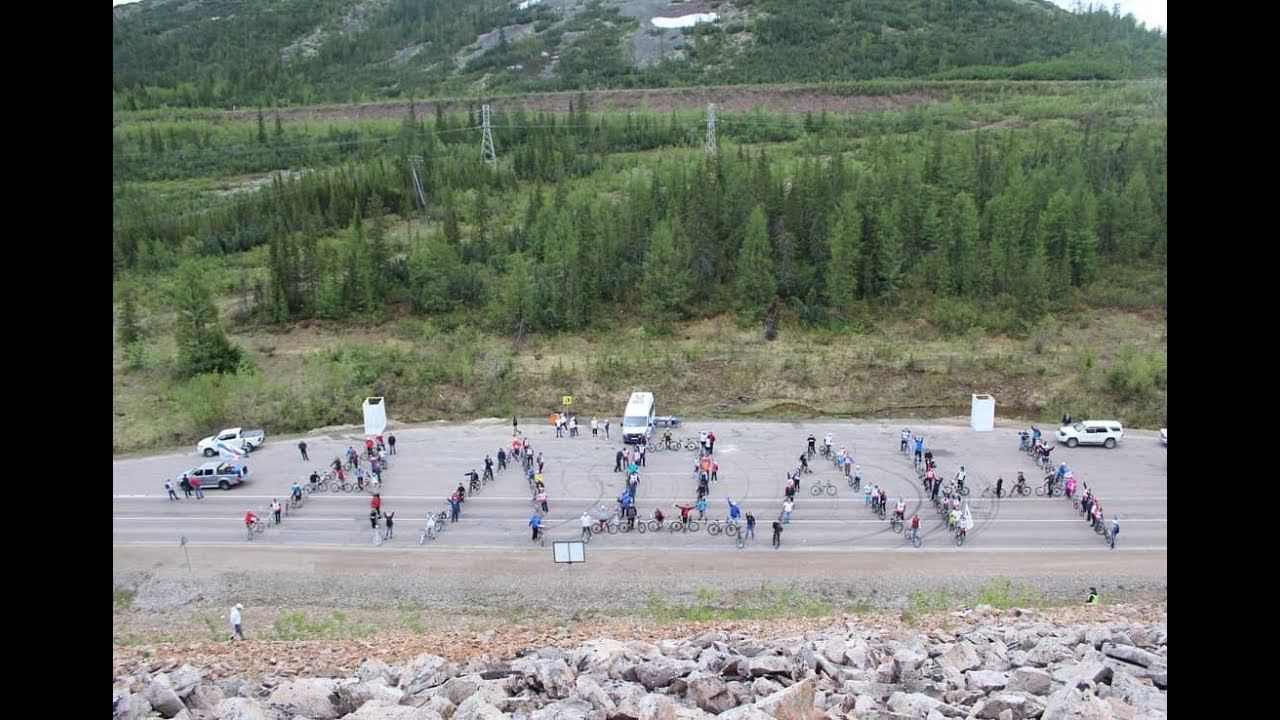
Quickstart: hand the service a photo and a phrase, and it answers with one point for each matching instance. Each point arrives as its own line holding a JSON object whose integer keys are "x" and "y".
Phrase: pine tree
{"x": 757, "y": 285}
{"x": 667, "y": 282}
{"x": 970, "y": 273}
{"x": 202, "y": 346}
{"x": 1136, "y": 220}
{"x": 845, "y": 269}
{"x": 128, "y": 330}
{"x": 888, "y": 257}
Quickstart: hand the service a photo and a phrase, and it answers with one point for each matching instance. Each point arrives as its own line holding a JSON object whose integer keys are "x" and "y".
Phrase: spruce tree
{"x": 667, "y": 282}
{"x": 845, "y": 269}
{"x": 202, "y": 346}
{"x": 756, "y": 285}
{"x": 128, "y": 331}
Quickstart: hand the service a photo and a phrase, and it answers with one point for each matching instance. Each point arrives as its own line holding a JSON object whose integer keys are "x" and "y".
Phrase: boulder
{"x": 907, "y": 659}
{"x": 1015, "y": 705}
{"x": 708, "y": 639}
{"x": 768, "y": 665}
{"x": 127, "y": 705}
{"x": 792, "y": 703}
{"x": 375, "y": 669}
{"x": 160, "y": 694}
{"x": 1091, "y": 673}
{"x": 912, "y": 705}
{"x": 1047, "y": 652}
{"x": 316, "y": 698}
{"x": 380, "y": 710}
{"x": 203, "y": 697}
{"x": 586, "y": 688}
{"x": 352, "y": 695}
{"x": 184, "y": 680}
{"x": 709, "y": 693}
{"x": 856, "y": 654}
{"x": 985, "y": 680}
{"x": 433, "y": 703}
{"x": 658, "y": 673}
{"x": 656, "y": 707}
{"x": 1031, "y": 680}
{"x": 475, "y": 708}
{"x": 744, "y": 712}
{"x": 834, "y": 649}
{"x": 1071, "y": 703}
{"x": 567, "y": 709}
{"x": 425, "y": 671}
{"x": 961, "y": 657}
{"x": 239, "y": 708}
{"x": 234, "y": 687}
{"x": 1131, "y": 654}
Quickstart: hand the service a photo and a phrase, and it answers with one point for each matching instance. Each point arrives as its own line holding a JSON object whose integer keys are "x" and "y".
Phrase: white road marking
{"x": 594, "y": 548}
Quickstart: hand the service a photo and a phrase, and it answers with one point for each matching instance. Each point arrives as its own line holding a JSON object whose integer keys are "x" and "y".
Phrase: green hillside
{"x": 222, "y": 53}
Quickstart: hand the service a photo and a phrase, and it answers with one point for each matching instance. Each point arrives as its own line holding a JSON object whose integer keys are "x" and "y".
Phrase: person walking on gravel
{"x": 235, "y": 621}
{"x": 302, "y": 448}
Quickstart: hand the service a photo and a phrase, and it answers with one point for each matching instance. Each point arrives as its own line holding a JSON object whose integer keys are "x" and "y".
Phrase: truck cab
{"x": 637, "y": 418}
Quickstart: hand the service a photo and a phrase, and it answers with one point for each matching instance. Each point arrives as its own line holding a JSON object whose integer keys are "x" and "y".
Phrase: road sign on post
{"x": 569, "y": 552}
{"x": 566, "y": 400}
{"x": 183, "y": 542}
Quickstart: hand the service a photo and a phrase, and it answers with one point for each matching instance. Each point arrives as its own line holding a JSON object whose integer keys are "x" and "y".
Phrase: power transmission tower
{"x": 711, "y": 129}
{"x": 415, "y": 162}
{"x": 486, "y": 139}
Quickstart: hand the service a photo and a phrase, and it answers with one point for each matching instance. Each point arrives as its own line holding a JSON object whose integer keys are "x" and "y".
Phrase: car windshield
{"x": 1078, "y": 427}
{"x": 635, "y": 420}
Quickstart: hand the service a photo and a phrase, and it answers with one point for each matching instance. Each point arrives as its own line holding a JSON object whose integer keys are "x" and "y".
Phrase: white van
{"x": 638, "y": 417}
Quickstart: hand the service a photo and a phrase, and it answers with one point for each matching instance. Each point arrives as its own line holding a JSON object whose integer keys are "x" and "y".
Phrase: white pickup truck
{"x": 247, "y": 440}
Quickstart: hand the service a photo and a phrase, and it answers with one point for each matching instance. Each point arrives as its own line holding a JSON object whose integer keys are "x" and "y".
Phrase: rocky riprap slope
{"x": 979, "y": 664}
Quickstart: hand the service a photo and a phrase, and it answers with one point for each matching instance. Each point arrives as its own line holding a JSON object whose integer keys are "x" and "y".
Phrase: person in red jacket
{"x": 376, "y": 503}
{"x": 711, "y": 442}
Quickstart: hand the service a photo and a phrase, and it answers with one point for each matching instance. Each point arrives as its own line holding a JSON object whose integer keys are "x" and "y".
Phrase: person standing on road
{"x": 595, "y": 427}
{"x": 617, "y": 462}
{"x": 185, "y": 484}
{"x": 373, "y": 518}
{"x": 715, "y": 471}
{"x": 1115, "y": 530}
{"x": 376, "y": 503}
{"x": 234, "y": 619}
{"x": 586, "y": 520}
{"x": 777, "y": 534}
{"x": 515, "y": 426}
{"x": 455, "y": 507}
{"x": 711, "y": 442}
{"x": 168, "y": 487}
{"x": 751, "y": 527}
{"x": 702, "y": 507}
{"x": 787, "y": 506}
{"x": 390, "y": 518}
{"x": 276, "y": 508}
{"x": 640, "y": 453}
{"x": 391, "y": 444}
{"x": 195, "y": 485}
{"x": 302, "y": 448}
{"x": 606, "y": 429}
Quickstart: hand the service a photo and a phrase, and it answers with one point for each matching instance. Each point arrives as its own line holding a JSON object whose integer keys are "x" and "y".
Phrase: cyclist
{"x": 488, "y": 467}
{"x": 1024, "y": 441}
{"x": 684, "y": 511}
{"x": 930, "y": 479}
{"x": 928, "y": 459}
{"x": 1035, "y": 435}
{"x": 915, "y": 525}
{"x": 249, "y": 518}
{"x": 999, "y": 487}
{"x": 715, "y": 471}
{"x": 900, "y": 510}
{"x": 275, "y": 509}
{"x": 857, "y": 474}
{"x": 702, "y": 507}
{"x": 295, "y": 491}
{"x": 1021, "y": 484}
{"x": 542, "y": 500}
{"x": 906, "y": 438}
{"x": 812, "y": 441}
{"x": 359, "y": 479}
{"x": 734, "y": 512}
{"x": 314, "y": 479}
{"x": 475, "y": 479}
{"x": 431, "y": 525}
{"x": 751, "y": 527}
{"x": 376, "y": 503}
{"x": 960, "y": 476}
{"x": 884, "y": 499}
{"x": 919, "y": 447}
{"x": 848, "y": 465}
{"x": 1062, "y": 471}
{"x": 659, "y": 516}
{"x": 790, "y": 490}
{"x": 804, "y": 463}
{"x": 368, "y": 447}
{"x": 535, "y": 522}
{"x": 1070, "y": 485}
{"x": 826, "y": 440}
{"x": 586, "y": 525}
{"x": 868, "y": 491}
{"x": 666, "y": 437}
{"x": 1115, "y": 530}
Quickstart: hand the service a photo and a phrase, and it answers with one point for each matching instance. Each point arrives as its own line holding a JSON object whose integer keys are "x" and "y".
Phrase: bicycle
{"x": 1022, "y": 489}
{"x": 715, "y": 527}
{"x": 650, "y": 525}
{"x": 1048, "y": 487}
{"x": 952, "y": 489}
{"x": 257, "y": 527}
{"x": 896, "y": 523}
{"x": 990, "y": 491}
{"x": 855, "y": 483}
{"x": 961, "y": 536}
{"x": 828, "y": 488}
{"x": 427, "y": 533}
{"x": 378, "y": 538}
{"x": 913, "y": 537}
{"x": 678, "y": 525}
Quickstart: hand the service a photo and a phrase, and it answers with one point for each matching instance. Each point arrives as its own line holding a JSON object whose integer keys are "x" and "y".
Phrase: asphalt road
{"x": 754, "y": 457}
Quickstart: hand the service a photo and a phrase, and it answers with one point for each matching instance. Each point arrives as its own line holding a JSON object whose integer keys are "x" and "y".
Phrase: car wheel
{"x": 209, "y": 452}
{"x": 224, "y": 485}
{"x": 1110, "y": 443}
{"x": 1072, "y": 442}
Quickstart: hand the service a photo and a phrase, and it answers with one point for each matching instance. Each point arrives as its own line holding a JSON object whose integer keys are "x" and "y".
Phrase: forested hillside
{"x": 220, "y": 53}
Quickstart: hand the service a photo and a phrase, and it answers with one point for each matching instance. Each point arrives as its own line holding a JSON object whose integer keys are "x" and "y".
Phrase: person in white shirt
{"x": 586, "y": 527}
{"x": 900, "y": 509}
{"x": 234, "y": 618}
{"x": 787, "y": 507}
{"x": 595, "y": 427}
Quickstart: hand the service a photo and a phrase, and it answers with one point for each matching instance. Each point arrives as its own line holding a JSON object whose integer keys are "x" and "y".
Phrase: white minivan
{"x": 637, "y": 419}
{"x": 1091, "y": 432}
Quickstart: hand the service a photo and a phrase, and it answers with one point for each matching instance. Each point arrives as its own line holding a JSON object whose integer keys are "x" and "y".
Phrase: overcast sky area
{"x": 1152, "y": 12}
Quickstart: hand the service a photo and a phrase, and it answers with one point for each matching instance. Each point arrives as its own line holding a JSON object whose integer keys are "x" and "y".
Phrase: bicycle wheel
{"x": 1040, "y": 491}
{"x": 964, "y": 491}
{"x": 831, "y": 490}
{"x": 1023, "y": 490}
{"x": 692, "y": 525}
{"x": 960, "y": 538}
{"x": 675, "y": 526}
{"x": 731, "y": 531}
{"x": 915, "y": 540}
{"x": 1075, "y": 503}
{"x": 815, "y": 490}
{"x": 612, "y": 529}
{"x": 896, "y": 526}
{"x": 714, "y": 528}
{"x": 857, "y": 485}
{"x": 377, "y": 537}
{"x": 642, "y": 527}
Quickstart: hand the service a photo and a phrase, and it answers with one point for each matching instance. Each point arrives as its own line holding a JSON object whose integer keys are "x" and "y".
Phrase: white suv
{"x": 1091, "y": 432}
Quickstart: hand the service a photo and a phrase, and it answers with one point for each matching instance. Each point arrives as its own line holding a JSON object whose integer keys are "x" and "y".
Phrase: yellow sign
{"x": 566, "y": 400}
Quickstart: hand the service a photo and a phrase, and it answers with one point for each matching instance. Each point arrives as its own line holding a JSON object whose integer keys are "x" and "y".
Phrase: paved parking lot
{"x": 754, "y": 458}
